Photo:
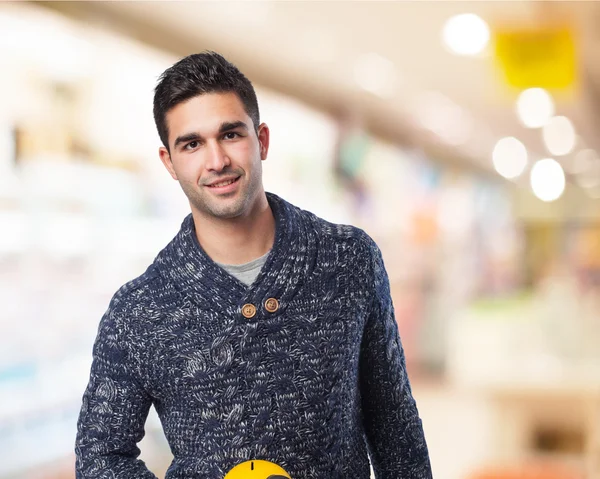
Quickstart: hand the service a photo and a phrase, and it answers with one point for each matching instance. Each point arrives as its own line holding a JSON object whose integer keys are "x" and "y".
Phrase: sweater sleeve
{"x": 391, "y": 421}
{"x": 114, "y": 410}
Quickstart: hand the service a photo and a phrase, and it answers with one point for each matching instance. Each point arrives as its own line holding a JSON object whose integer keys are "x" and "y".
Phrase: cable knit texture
{"x": 315, "y": 386}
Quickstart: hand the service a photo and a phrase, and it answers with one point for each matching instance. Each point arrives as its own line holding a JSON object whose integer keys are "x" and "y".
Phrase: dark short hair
{"x": 206, "y": 72}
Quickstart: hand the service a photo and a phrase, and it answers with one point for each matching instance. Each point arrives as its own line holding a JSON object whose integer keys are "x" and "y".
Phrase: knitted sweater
{"x": 315, "y": 386}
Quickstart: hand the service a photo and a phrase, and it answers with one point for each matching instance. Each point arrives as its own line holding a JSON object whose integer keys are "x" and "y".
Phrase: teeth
{"x": 225, "y": 183}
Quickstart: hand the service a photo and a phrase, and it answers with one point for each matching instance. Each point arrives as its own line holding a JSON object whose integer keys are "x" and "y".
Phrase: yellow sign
{"x": 542, "y": 57}
{"x": 257, "y": 469}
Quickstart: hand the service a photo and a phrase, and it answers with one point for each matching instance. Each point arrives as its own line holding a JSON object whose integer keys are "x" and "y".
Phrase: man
{"x": 260, "y": 333}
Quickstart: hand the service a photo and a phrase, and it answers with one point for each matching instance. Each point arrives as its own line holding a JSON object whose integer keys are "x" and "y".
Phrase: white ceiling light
{"x": 509, "y": 157}
{"x": 376, "y": 74}
{"x": 465, "y": 34}
{"x": 559, "y": 136}
{"x": 535, "y": 107}
{"x": 547, "y": 179}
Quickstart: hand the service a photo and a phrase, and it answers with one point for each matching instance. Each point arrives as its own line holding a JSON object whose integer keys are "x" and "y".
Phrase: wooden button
{"x": 271, "y": 305}
{"x": 249, "y": 310}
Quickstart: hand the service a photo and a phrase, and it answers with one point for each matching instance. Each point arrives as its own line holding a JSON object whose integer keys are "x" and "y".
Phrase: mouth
{"x": 224, "y": 185}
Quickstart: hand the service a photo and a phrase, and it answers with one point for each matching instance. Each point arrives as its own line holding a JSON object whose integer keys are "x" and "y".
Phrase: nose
{"x": 217, "y": 158}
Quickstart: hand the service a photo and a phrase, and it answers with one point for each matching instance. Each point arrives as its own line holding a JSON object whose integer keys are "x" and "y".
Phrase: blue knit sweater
{"x": 314, "y": 386}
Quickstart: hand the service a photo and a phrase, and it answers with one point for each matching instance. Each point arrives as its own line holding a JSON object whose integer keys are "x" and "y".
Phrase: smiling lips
{"x": 223, "y": 183}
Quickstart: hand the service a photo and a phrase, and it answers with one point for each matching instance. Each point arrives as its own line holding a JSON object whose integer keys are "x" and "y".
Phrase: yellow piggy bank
{"x": 257, "y": 469}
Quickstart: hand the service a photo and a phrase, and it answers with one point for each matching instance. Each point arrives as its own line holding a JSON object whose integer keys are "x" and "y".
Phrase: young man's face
{"x": 216, "y": 154}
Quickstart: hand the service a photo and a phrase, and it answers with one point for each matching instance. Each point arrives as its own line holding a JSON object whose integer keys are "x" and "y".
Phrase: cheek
{"x": 188, "y": 169}
{"x": 242, "y": 152}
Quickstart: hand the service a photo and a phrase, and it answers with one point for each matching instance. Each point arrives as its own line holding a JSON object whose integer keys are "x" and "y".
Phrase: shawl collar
{"x": 290, "y": 262}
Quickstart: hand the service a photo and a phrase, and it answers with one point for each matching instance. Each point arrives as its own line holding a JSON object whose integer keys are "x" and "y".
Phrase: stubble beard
{"x": 224, "y": 208}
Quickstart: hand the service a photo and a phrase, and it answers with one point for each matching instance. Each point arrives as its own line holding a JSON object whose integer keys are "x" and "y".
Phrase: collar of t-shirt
{"x": 247, "y": 272}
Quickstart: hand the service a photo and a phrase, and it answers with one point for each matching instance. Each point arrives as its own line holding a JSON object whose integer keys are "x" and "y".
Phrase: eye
{"x": 191, "y": 145}
{"x": 230, "y": 135}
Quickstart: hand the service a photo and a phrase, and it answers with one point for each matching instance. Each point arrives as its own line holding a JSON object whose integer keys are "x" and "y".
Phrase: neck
{"x": 237, "y": 240}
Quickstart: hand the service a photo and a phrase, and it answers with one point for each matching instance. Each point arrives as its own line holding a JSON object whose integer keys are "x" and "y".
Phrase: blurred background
{"x": 462, "y": 136}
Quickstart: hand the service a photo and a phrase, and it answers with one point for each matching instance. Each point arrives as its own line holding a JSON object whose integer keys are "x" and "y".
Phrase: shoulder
{"x": 348, "y": 239}
{"x": 138, "y": 299}
{"x": 339, "y": 232}
{"x": 118, "y": 339}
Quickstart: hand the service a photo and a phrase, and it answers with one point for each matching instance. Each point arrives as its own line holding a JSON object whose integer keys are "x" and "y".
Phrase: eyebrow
{"x": 225, "y": 127}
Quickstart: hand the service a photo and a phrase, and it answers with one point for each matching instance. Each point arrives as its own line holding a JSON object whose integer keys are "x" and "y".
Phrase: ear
{"x": 165, "y": 157}
{"x": 263, "y": 140}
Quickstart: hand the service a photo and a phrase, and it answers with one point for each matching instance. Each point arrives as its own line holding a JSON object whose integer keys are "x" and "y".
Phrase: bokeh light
{"x": 509, "y": 157}
{"x": 547, "y": 179}
{"x": 535, "y": 107}
{"x": 466, "y": 34}
{"x": 559, "y": 136}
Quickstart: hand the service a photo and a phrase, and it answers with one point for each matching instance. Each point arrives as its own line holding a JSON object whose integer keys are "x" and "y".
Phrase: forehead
{"x": 205, "y": 113}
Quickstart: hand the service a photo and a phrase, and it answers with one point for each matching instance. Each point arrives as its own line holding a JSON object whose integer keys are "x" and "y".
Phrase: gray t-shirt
{"x": 246, "y": 272}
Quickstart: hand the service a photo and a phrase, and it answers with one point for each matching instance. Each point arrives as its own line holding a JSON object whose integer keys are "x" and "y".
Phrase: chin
{"x": 227, "y": 215}
{"x": 222, "y": 208}
{"x": 225, "y": 211}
